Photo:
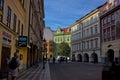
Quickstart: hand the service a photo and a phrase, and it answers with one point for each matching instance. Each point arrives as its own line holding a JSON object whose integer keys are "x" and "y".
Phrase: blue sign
{"x": 22, "y": 41}
{"x": 22, "y": 38}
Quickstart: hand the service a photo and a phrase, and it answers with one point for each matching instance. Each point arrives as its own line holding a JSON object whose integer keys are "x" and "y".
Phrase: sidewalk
{"x": 47, "y": 72}
{"x": 35, "y": 73}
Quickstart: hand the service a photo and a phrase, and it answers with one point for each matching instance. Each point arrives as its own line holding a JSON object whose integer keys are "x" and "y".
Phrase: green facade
{"x": 61, "y": 35}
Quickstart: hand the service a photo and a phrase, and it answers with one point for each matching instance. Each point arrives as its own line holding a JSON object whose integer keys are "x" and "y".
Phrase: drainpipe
{"x": 28, "y": 53}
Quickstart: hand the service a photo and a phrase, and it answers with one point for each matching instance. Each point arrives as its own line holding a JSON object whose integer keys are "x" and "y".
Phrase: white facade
{"x": 85, "y": 38}
{"x": 48, "y": 33}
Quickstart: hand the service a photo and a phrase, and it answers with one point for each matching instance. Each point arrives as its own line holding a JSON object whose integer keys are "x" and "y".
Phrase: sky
{"x": 64, "y": 13}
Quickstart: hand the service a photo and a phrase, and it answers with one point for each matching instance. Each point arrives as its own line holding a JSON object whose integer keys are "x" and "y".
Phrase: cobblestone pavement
{"x": 34, "y": 73}
{"x": 75, "y": 71}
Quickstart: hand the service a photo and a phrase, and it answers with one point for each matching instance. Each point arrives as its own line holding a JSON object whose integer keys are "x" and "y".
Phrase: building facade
{"x": 110, "y": 31}
{"x": 85, "y": 39}
{"x": 61, "y": 35}
{"x": 15, "y": 30}
{"x": 35, "y": 16}
{"x": 12, "y": 26}
{"x": 48, "y": 36}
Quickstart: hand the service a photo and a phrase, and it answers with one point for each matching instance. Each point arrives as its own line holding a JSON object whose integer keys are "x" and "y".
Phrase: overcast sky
{"x": 64, "y": 13}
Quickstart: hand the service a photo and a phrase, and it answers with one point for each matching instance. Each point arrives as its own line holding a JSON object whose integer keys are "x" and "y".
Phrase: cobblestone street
{"x": 75, "y": 71}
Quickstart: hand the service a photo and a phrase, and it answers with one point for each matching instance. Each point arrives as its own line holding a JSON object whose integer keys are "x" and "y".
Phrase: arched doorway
{"x": 94, "y": 58}
{"x": 79, "y": 58}
{"x": 86, "y": 57}
{"x": 73, "y": 57}
{"x": 110, "y": 55}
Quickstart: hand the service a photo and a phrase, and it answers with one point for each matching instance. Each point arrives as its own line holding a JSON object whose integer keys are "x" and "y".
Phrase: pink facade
{"x": 108, "y": 21}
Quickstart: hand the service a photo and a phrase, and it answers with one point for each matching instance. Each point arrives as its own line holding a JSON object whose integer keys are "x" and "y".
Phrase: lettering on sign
{"x": 6, "y": 38}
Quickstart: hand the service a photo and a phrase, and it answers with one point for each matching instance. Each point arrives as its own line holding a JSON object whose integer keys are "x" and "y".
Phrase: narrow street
{"x": 75, "y": 71}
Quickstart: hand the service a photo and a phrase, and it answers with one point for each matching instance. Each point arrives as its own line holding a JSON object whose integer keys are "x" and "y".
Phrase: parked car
{"x": 61, "y": 58}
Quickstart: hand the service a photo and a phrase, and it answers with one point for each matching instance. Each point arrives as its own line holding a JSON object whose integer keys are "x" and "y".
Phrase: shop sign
{"x": 6, "y": 38}
{"x": 22, "y": 41}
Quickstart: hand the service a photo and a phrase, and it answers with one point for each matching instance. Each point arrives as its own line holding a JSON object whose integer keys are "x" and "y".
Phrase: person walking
{"x": 13, "y": 64}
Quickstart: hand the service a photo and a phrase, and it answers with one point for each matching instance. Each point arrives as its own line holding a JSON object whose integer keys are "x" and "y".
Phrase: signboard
{"x": 22, "y": 41}
{"x": 6, "y": 38}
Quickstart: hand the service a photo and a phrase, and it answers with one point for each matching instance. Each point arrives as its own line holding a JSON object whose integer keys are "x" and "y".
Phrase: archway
{"x": 94, "y": 58}
{"x": 86, "y": 57}
{"x": 110, "y": 55}
{"x": 73, "y": 57}
{"x": 79, "y": 58}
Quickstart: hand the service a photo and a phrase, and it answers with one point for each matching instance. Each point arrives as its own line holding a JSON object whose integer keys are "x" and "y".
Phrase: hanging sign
{"x": 22, "y": 41}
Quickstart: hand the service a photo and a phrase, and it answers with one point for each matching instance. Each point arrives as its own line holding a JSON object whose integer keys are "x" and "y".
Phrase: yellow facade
{"x": 16, "y": 8}
{"x": 9, "y": 33}
{"x": 50, "y": 49}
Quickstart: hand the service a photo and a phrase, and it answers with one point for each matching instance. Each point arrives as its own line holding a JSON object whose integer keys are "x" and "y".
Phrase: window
{"x": 79, "y": 46}
{"x": 14, "y": 22}
{"x": 22, "y": 2}
{"x": 91, "y": 20}
{"x": 87, "y": 32}
{"x": 87, "y": 44}
{"x": 112, "y": 17}
{"x": 22, "y": 30}
{"x": 96, "y": 29}
{"x": 96, "y": 42}
{"x": 1, "y": 4}
{"x": 83, "y": 45}
{"x": 108, "y": 34}
{"x": 104, "y": 21}
{"x": 1, "y": 9}
{"x": 109, "y": 19}
{"x": 8, "y": 16}
{"x": 91, "y": 43}
{"x": 68, "y": 39}
{"x": 55, "y": 39}
{"x": 104, "y": 34}
{"x": 113, "y": 32}
{"x": 83, "y": 33}
{"x": 91, "y": 30}
{"x": 18, "y": 26}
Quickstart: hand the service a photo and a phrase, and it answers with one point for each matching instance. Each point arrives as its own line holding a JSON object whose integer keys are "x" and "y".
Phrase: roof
{"x": 65, "y": 29}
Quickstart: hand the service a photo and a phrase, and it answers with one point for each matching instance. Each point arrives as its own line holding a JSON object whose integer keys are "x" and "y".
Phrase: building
{"x": 85, "y": 38}
{"x": 12, "y": 26}
{"x": 17, "y": 31}
{"x": 110, "y": 31}
{"x": 35, "y": 22}
{"x": 61, "y": 35}
{"x": 48, "y": 36}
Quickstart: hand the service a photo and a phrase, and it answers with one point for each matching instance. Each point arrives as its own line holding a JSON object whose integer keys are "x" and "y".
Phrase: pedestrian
{"x": 53, "y": 59}
{"x": 13, "y": 64}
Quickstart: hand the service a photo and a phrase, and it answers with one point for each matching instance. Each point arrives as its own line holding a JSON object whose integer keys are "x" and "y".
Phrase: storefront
{"x": 6, "y": 39}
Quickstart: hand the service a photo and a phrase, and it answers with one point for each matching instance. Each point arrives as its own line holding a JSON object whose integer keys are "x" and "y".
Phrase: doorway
{"x": 110, "y": 55}
{"x": 6, "y": 52}
{"x": 79, "y": 58}
{"x": 86, "y": 57}
{"x": 94, "y": 58}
